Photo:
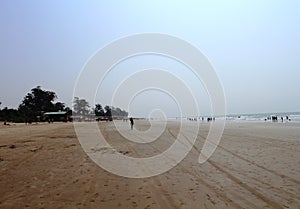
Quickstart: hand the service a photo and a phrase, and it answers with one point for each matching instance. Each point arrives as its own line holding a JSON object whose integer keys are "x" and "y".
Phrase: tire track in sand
{"x": 252, "y": 162}
{"x": 253, "y": 191}
{"x": 160, "y": 196}
{"x": 199, "y": 179}
{"x": 284, "y": 178}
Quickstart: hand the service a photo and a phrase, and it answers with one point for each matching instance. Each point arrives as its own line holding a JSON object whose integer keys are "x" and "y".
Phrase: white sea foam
{"x": 261, "y": 117}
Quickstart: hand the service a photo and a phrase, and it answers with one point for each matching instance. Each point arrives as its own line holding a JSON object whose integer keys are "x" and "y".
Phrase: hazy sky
{"x": 253, "y": 45}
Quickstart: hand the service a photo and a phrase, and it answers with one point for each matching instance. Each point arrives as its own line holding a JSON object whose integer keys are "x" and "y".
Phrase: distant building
{"x": 57, "y": 116}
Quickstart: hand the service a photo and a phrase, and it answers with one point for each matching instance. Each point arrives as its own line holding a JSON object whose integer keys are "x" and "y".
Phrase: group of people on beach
{"x": 209, "y": 119}
{"x": 275, "y": 118}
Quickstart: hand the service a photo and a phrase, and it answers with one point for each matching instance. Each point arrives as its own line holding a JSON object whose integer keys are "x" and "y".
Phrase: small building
{"x": 57, "y": 116}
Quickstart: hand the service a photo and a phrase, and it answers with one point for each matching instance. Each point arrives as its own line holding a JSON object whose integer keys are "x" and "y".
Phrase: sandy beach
{"x": 256, "y": 165}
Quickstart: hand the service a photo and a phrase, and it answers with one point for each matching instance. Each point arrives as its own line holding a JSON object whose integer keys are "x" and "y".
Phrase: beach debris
{"x": 104, "y": 150}
{"x": 35, "y": 149}
{"x": 70, "y": 145}
{"x": 124, "y": 152}
{"x": 12, "y": 146}
{"x": 2, "y": 146}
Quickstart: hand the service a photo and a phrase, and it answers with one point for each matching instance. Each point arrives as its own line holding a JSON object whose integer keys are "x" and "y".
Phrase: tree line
{"x": 82, "y": 107}
{"x": 39, "y": 101}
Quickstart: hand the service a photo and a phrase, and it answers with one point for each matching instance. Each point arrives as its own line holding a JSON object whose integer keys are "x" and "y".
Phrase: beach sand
{"x": 256, "y": 165}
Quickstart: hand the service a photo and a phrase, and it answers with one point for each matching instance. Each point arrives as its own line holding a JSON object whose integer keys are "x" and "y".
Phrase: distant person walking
{"x": 131, "y": 122}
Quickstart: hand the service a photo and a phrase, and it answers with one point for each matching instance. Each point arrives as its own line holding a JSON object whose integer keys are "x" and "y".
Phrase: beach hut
{"x": 57, "y": 116}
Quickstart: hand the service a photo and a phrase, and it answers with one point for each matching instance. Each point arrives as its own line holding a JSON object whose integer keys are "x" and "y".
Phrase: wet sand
{"x": 256, "y": 165}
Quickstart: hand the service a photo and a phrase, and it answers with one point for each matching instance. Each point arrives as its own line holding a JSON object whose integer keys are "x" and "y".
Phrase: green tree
{"x": 118, "y": 112}
{"x": 81, "y": 106}
{"x": 59, "y": 106}
{"x": 108, "y": 112}
{"x": 99, "y": 110}
{"x": 36, "y": 102}
{"x": 10, "y": 115}
{"x": 68, "y": 110}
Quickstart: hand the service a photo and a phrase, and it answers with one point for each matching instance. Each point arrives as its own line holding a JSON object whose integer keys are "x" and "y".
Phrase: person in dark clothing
{"x": 131, "y": 122}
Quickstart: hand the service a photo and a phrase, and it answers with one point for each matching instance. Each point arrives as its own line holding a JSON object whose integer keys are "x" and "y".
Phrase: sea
{"x": 262, "y": 117}
{"x": 258, "y": 117}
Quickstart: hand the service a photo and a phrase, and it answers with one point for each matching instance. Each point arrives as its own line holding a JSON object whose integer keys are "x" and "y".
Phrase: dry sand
{"x": 256, "y": 165}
